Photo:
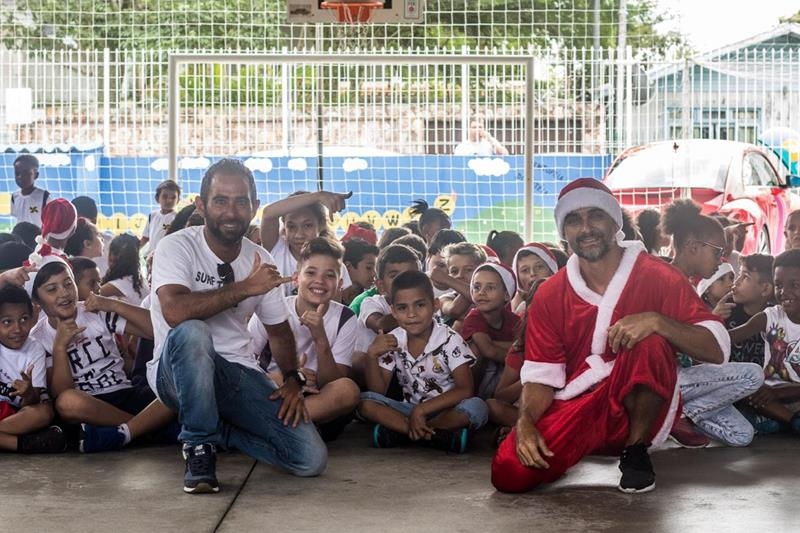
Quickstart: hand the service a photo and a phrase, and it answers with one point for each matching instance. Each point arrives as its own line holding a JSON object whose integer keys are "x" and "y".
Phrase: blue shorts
{"x": 475, "y": 408}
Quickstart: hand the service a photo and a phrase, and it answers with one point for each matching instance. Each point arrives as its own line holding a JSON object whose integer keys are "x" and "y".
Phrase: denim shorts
{"x": 475, "y": 408}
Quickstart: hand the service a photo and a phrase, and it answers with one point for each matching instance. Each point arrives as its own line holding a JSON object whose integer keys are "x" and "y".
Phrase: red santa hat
{"x": 508, "y": 277}
{"x": 582, "y": 193}
{"x": 354, "y": 231}
{"x": 540, "y": 250}
{"x": 491, "y": 255}
{"x": 43, "y": 255}
{"x": 724, "y": 268}
{"x": 59, "y": 219}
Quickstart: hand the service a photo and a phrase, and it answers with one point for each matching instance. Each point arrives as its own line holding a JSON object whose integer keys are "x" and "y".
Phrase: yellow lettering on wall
{"x": 391, "y": 218}
{"x": 137, "y": 223}
{"x": 5, "y": 203}
{"x": 446, "y": 202}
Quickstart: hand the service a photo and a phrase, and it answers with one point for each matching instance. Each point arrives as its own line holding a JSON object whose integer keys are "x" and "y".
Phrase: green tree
{"x": 793, "y": 19}
{"x": 260, "y": 25}
{"x": 142, "y": 24}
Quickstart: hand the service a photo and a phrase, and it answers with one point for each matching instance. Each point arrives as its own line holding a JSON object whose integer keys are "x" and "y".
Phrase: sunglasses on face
{"x": 718, "y": 250}
{"x": 225, "y": 273}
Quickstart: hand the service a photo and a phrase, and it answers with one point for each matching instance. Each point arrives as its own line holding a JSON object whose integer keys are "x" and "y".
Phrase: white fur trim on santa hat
{"x": 724, "y": 268}
{"x": 509, "y": 280}
{"x": 37, "y": 261}
{"x": 539, "y": 250}
{"x": 582, "y": 193}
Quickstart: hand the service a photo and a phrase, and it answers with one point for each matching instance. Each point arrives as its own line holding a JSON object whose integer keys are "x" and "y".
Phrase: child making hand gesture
{"x": 432, "y": 365}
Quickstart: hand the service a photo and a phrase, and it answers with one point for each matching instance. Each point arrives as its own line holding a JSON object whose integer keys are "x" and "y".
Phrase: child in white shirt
{"x": 325, "y": 333}
{"x": 168, "y": 193}
{"x": 25, "y": 408}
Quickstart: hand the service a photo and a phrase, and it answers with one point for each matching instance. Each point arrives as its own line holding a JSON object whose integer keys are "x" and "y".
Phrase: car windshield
{"x": 663, "y": 166}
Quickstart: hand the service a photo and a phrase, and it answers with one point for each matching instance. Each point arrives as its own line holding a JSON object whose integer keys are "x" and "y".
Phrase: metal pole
{"x": 173, "y": 103}
{"x": 596, "y": 26}
{"x": 628, "y": 96}
{"x": 622, "y": 38}
{"x": 286, "y": 109}
{"x": 318, "y": 108}
{"x": 106, "y": 98}
{"x": 465, "y": 111}
{"x": 529, "y": 138}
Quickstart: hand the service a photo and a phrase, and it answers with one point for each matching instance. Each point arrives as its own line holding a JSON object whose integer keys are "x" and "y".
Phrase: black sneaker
{"x": 450, "y": 441}
{"x": 50, "y": 440}
{"x": 637, "y": 470}
{"x": 201, "y": 469}
{"x": 383, "y": 437}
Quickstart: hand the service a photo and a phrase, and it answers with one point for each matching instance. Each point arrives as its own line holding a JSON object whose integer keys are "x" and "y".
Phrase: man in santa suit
{"x": 600, "y": 368}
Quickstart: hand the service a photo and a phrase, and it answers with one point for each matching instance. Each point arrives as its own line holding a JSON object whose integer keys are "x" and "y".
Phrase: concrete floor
{"x": 420, "y": 490}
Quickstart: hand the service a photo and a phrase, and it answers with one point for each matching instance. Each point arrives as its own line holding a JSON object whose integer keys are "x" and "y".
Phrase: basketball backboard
{"x": 392, "y": 12}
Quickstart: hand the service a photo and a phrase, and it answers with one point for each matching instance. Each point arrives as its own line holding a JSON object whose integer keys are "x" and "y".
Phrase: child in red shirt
{"x": 491, "y": 326}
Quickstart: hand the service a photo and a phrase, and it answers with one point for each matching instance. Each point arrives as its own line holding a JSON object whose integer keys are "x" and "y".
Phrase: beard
{"x": 595, "y": 253}
{"x": 227, "y": 238}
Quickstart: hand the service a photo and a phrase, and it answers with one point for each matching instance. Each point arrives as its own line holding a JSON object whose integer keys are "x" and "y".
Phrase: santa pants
{"x": 595, "y": 422}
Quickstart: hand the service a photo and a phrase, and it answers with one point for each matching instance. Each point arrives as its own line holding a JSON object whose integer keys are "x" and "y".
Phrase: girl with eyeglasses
{"x": 708, "y": 391}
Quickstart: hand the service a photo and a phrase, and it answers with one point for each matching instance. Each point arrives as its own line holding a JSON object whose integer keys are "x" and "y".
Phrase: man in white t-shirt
{"x": 479, "y": 143}
{"x": 208, "y": 280}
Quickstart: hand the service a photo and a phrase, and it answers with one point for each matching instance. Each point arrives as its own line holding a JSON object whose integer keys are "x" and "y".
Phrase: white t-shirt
{"x": 96, "y": 364}
{"x": 28, "y": 208}
{"x": 479, "y": 149}
{"x": 157, "y": 226}
{"x": 341, "y": 328}
{"x": 125, "y": 286}
{"x": 371, "y": 304}
{"x": 430, "y": 374}
{"x": 781, "y": 347}
{"x": 14, "y": 362}
{"x": 286, "y": 263}
{"x": 185, "y": 259}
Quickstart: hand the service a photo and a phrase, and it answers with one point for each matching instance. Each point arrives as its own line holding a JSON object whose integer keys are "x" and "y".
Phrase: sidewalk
{"x": 407, "y": 489}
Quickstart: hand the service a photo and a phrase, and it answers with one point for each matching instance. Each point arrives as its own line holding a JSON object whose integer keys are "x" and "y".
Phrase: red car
{"x": 740, "y": 180}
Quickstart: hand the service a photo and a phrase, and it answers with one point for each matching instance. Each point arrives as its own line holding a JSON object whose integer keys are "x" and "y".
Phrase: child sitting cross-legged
{"x": 325, "y": 333}
{"x": 25, "y": 409}
{"x": 491, "y": 326}
{"x": 432, "y": 363}
{"x": 777, "y": 403}
{"x": 85, "y": 369}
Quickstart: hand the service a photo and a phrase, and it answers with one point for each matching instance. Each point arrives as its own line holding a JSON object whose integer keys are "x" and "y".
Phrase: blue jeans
{"x": 474, "y": 408}
{"x": 709, "y": 392}
{"x": 227, "y": 404}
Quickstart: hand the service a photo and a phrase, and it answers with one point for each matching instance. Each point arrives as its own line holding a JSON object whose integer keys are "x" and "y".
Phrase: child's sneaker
{"x": 684, "y": 434}
{"x": 450, "y": 441}
{"x": 95, "y": 439}
{"x": 764, "y": 425}
{"x": 794, "y": 424}
{"x": 383, "y": 437}
{"x": 50, "y": 440}
{"x": 637, "y": 470}
{"x": 201, "y": 469}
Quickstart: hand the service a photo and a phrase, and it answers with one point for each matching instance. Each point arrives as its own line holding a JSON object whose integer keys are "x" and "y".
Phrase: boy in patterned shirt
{"x": 432, "y": 363}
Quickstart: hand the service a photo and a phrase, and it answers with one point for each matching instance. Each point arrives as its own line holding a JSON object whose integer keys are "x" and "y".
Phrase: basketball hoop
{"x": 349, "y": 12}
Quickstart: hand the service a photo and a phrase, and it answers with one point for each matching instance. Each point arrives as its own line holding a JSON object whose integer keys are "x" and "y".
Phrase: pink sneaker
{"x": 684, "y": 434}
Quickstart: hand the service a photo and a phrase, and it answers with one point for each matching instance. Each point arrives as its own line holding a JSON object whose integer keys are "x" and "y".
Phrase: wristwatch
{"x": 298, "y": 376}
